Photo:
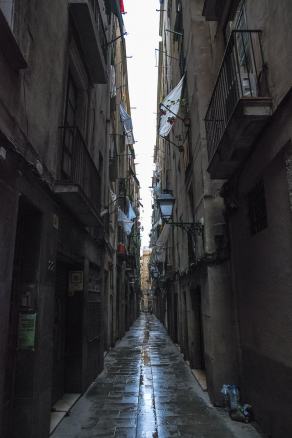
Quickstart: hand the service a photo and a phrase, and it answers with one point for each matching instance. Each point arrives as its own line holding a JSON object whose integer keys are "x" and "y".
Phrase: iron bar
{"x": 238, "y": 78}
{"x": 77, "y": 165}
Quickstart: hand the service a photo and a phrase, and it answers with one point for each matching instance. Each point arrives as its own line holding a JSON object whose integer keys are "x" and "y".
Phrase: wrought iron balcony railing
{"x": 241, "y": 78}
{"x": 78, "y": 168}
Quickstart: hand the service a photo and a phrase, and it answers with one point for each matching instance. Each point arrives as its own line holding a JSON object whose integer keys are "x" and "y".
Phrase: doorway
{"x": 185, "y": 326}
{"x": 200, "y": 328}
{"x": 19, "y": 352}
{"x": 59, "y": 332}
{"x": 175, "y": 321}
{"x": 196, "y": 297}
{"x": 67, "y": 330}
{"x": 199, "y": 342}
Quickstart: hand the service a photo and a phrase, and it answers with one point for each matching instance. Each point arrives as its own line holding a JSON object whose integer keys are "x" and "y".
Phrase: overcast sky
{"x": 142, "y": 25}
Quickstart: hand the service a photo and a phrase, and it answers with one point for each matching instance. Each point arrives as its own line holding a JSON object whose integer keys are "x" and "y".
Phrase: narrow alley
{"x": 147, "y": 390}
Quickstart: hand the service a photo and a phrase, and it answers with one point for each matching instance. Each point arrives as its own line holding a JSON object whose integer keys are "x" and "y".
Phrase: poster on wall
{"x": 26, "y": 331}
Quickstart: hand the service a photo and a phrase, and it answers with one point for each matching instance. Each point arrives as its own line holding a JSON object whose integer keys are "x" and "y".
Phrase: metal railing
{"x": 77, "y": 166}
{"x": 241, "y": 76}
{"x": 100, "y": 27}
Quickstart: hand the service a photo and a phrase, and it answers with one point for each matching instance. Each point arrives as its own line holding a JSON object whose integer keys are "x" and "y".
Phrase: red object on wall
{"x": 122, "y": 8}
{"x": 121, "y": 248}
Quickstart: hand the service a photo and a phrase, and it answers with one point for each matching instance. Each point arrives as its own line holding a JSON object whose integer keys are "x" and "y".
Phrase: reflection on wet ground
{"x": 146, "y": 418}
{"x": 146, "y": 391}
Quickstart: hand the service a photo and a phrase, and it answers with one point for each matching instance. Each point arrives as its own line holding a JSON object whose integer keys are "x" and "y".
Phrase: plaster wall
{"x": 217, "y": 302}
{"x": 33, "y": 99}
{"x": 263, "y": 276}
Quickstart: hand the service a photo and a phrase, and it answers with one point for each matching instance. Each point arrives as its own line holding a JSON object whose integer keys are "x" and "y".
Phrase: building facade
{"x": 222, "y": 284}
{"x": 146, "y": 297}
{"x": 58, "y": 250}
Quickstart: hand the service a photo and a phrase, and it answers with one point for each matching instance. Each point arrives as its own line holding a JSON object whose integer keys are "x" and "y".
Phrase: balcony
{"x": 87, "y": 19}
{"x": 79, "y": 186}
{"x": 240, "y": 105}
{"x": 214, "y": 10}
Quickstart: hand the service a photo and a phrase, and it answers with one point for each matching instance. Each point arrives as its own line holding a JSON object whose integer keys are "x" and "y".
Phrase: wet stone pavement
{"x": 147, "y": 390}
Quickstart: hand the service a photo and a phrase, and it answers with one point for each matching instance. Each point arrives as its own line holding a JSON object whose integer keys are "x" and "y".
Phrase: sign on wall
{"x": 26, "y": 331}
{"x": 75, "y": 282}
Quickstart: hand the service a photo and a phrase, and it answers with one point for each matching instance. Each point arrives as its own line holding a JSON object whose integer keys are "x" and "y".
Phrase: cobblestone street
{"x": 147, "y": 390}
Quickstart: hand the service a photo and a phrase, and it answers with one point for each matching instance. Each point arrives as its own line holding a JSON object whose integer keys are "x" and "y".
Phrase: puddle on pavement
{"x": 145, "y": 358}
{"x": 147, "y": 421}
{"x": 146, "y": 336}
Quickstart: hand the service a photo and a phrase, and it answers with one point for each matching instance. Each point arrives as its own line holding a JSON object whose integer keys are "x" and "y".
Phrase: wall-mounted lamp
{"x": 154, "y": 271}
{"x": 166, "y": 202}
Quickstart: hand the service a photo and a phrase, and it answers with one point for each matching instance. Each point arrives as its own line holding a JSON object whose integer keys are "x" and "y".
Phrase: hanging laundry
{"x": 122, "y": 8}
{"x": 131, "y": 212}
{"x": 117, "y": 10}
{"x": 169, "y": 109}
{"x": 126, "y": 223}
{"x": 127, "y": 124}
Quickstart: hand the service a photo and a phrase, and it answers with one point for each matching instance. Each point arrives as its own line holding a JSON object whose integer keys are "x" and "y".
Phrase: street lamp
{"x": 154, "y": 272}
{"x": 166, "y": 202}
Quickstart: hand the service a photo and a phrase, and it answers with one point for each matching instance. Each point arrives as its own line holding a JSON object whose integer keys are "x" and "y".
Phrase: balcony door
{"x": 244, "y": 52}
{"x": 238, "y": 21}
{"x": 198, "y": 335}
{"x": 69, "y": 128}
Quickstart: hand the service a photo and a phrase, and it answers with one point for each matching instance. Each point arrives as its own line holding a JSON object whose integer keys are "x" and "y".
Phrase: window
{"x": 257, "y": 209}
{"x": 69, "y": 132}
{"x": 237, "y": 20}
{"x": 246, "y": 51}
{"x": 71, "y": 104}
